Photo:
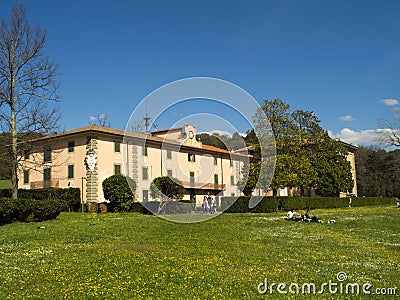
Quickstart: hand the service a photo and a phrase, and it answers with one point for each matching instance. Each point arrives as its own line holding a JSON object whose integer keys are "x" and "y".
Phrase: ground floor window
{"x": 117, "y": 169}
{"x": 145, "y": 196}
{"x": 26, "y": 176}
{"x": 47, "y": 174}
{"x": 70, "y": 171}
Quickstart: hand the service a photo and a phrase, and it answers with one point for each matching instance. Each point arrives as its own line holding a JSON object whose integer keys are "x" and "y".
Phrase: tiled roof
{"x": 121, "y": 133}
{"x": 167, "y": 130}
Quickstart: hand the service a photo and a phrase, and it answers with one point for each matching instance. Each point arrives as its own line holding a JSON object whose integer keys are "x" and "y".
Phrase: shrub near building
{"x": 117, "y": 190}
{"x": 70, "y": 196}
{"x": 29, "y": 210}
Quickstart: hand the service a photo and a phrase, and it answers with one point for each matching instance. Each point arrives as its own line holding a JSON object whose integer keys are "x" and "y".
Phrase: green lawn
{"x": 132, "y": 256}
{"x": 5, "y": 184}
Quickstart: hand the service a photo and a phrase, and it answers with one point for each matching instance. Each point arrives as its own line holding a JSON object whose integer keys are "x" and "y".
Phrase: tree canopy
{"x": 164, "y": 186}
{"x": 306, "y": 156}
{"x": 378, "y": 172}
{"x": 118, "y": 190}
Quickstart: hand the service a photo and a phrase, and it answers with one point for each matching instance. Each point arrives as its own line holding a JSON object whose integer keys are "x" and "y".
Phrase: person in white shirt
{"x": 293, "y": 216}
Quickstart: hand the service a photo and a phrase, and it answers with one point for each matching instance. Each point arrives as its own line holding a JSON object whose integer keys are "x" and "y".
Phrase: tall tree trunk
{"x": 14, "y": 175}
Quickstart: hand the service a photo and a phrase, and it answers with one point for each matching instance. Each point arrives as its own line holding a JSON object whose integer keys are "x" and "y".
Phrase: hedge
{"x": 29, "y": 210}
{"x": 172, "y": 207}
{"x": 274, "y": 204}
{"x": 371, "y": 201}
{"x": 71, "y": 196}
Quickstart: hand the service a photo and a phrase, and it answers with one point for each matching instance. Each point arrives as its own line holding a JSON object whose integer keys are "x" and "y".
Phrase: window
{"x": 145, "y": 196}
{"x": 117, "y": 169}
{"x": 169, "y": 172}
{"x": 26, "y": 176}
{"x": 191, "y": 177}
{"x": 117, "y": 146}
{"x": 26, "y": 154}
{"x": 191, "y": 157}
{"x": 232, "y": 180}
{"x": 169, "y": 154}
{"x": 70, "y": 171}
{"x": 71, "y": 146}
{"x": 231, "y": 163}
{"x": 144, "y": 150}
{"x": 145, "y": 173}
{"x": 46, "y": 155}
{"x": 216, "y": 179}
{"x": 215, "y": 161}
{"x": 46, "y": 174}
{"x": 233, "y": 195}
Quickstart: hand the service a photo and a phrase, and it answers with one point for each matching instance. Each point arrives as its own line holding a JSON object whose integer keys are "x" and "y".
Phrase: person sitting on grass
{"x": 398, "y": 203}
{"x": 293, "y": 216}
{"x": 306, "y": 217}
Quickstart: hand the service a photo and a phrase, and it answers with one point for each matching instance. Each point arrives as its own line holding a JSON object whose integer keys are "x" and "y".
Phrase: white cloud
{"x": 390, "y": 102}
{"x": 362, "y": 137}
{"x": 397, "y": 112}
{"x": 227, "y": 133}
{"x": 221, "y": 132}
{"x": 99, "y": 117}
{"x": 346, "y": 118}
{"x": 102, "y": 116}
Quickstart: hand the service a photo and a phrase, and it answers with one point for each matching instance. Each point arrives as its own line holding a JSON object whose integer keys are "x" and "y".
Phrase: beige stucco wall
{"x": 352, "y": 159}
{"x": 156, "y": 161}
{"x": 131, "y": 160}
{"x": 60, "y": 160}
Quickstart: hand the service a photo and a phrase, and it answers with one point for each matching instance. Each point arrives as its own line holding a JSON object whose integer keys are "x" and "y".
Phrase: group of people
{"x": 209, "y": 205}
{"x": 293, "y": 216}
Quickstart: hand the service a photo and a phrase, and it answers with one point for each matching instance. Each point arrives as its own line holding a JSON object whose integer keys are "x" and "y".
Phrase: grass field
{"x": 132, "y": 256}
{"x": 5, "y": 184}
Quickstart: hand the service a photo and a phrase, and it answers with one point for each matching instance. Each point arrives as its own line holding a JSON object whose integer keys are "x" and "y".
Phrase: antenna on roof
{"x": 147, "y": 120}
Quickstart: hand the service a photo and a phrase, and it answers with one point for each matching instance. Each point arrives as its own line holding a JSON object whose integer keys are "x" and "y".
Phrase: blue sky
{"x": 339, "y": 59}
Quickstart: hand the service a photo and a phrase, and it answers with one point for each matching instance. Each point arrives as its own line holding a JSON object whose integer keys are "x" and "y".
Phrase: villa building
{"x": 86, "y": 156}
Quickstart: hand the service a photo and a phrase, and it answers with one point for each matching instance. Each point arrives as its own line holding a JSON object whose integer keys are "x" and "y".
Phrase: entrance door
{"x": 145, "y": 196}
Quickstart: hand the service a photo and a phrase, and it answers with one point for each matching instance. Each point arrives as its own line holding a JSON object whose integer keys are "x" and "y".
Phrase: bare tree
{"x": 390, "y": 134}
{"x": 139, "y": 127}
{"x": 100, "y": 120}
{"x": 28, "y": 85}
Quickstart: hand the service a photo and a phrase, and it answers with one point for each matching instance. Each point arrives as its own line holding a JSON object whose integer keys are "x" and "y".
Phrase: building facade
{"x": 86, "y": 156}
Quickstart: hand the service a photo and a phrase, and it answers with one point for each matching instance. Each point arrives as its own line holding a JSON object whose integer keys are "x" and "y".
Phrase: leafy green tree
{"x": 305, "y": 155}
{"x": 332, "y": 168}
{"x": 378, "y": 172}
{"x": 171, "y": 188}
{"x": 251, "y": 170}
{"x": 118, "y": 190}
